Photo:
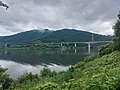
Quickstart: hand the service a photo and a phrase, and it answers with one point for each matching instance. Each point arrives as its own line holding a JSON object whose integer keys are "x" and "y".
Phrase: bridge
{"x": 88, "y": 43}
{"x": 75, "y": 44}
{"x": 62, "y": 44}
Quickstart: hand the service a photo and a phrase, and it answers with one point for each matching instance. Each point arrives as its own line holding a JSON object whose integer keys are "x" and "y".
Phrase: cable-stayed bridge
{"x": 75, "y": 44}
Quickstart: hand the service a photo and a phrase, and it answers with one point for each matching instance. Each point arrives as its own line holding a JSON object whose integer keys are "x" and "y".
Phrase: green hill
{"x": 24, "y": 36}
{"x": 72, "y": 35}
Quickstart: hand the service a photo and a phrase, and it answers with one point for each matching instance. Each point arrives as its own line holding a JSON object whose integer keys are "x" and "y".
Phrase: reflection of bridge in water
{"x": 63, "y": 44}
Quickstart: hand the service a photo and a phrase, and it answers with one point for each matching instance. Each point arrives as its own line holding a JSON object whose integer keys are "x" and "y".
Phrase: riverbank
{"x": 91, "y": 74}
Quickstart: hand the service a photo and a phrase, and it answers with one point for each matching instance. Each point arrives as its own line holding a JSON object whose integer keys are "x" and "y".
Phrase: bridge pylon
{"x": 92, "y": 37}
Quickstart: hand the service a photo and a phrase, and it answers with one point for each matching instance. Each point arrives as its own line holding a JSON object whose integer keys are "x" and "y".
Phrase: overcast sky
{"x": 90, "y": 15}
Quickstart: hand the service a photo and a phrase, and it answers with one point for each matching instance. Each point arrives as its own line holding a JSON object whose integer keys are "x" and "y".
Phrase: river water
{"x": 19, "y": 62}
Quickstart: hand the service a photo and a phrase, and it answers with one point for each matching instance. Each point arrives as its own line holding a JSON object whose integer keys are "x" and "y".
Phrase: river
{"x": 19, "y": 62}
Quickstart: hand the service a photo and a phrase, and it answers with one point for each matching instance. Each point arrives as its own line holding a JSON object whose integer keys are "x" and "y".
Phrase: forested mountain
{"x": 72, "y": 35}
{"x": 64, "y": 35}
{"x": 25, "y": 36}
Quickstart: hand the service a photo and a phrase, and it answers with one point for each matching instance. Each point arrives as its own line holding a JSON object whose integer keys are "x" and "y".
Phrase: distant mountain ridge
{"x": 64, "y": 35}
{"x": 73, "y": 35}
{"x": 24, "y": 36}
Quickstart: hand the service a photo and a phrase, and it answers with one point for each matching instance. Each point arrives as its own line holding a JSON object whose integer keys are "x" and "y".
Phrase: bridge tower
{"x": 92, "y": 37}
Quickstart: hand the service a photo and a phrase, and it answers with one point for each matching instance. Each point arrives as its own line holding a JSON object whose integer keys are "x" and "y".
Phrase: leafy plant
{"x": 5, "y": 81}
{"x": 47, "y": 86}
{"x": 106, "y": 49}
{"x": 89, "y": 58}
{"x": 47, "y": 72}
{"x": 116, "y": 39}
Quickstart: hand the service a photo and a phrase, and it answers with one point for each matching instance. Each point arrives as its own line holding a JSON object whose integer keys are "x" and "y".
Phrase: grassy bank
{"x": 91, "y": 74}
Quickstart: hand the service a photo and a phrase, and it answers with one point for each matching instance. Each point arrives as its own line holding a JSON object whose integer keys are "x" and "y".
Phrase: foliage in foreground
{"x": 99, "y": 74}
{"x": 5, "y": 81}
{"x": 116, "y": 39}
{"x": 106, "y": 49}
{"x": 115, "y": 45}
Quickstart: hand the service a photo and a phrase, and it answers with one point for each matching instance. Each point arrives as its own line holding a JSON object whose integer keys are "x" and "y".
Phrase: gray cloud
{"x": 90, "y": 15}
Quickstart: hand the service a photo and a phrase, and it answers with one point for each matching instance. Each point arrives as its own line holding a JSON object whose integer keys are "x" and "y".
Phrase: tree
{"x": 4, "y": 5}
{"x": 116, "y": 39}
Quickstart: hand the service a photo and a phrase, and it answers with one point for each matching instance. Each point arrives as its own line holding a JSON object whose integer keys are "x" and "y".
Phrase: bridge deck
{"x": 78, "y": 42}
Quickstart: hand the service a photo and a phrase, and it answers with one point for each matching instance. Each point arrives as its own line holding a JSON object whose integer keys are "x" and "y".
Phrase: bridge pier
{"x": 75, "y": 51}
{"x": 67, "y": 44}
{"x": 89, "y": 49}
{"x": 61, "y": 44}
{"x": 75, "y": 45}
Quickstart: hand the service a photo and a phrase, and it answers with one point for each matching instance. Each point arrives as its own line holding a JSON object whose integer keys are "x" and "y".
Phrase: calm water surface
{"x": 19, "y": 62}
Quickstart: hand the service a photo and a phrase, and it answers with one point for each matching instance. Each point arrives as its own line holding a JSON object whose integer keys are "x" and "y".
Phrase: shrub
{"x": 116, "y": 40}
{"x": 89, "y": 58}
{"x": 27, "y": 77}
{"x": 47, "y": 86}
{"x": 47, "y": 72}
{"x": 106, "y": 49}
{"x": 5, "y": 81}
{"x": 80, "y": 64}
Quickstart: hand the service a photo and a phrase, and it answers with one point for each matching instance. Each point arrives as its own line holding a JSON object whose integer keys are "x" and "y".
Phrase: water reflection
{"x": 17, "y": 69}
{"x": 39, "y": 57}
{"x": 20, "y": 61}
